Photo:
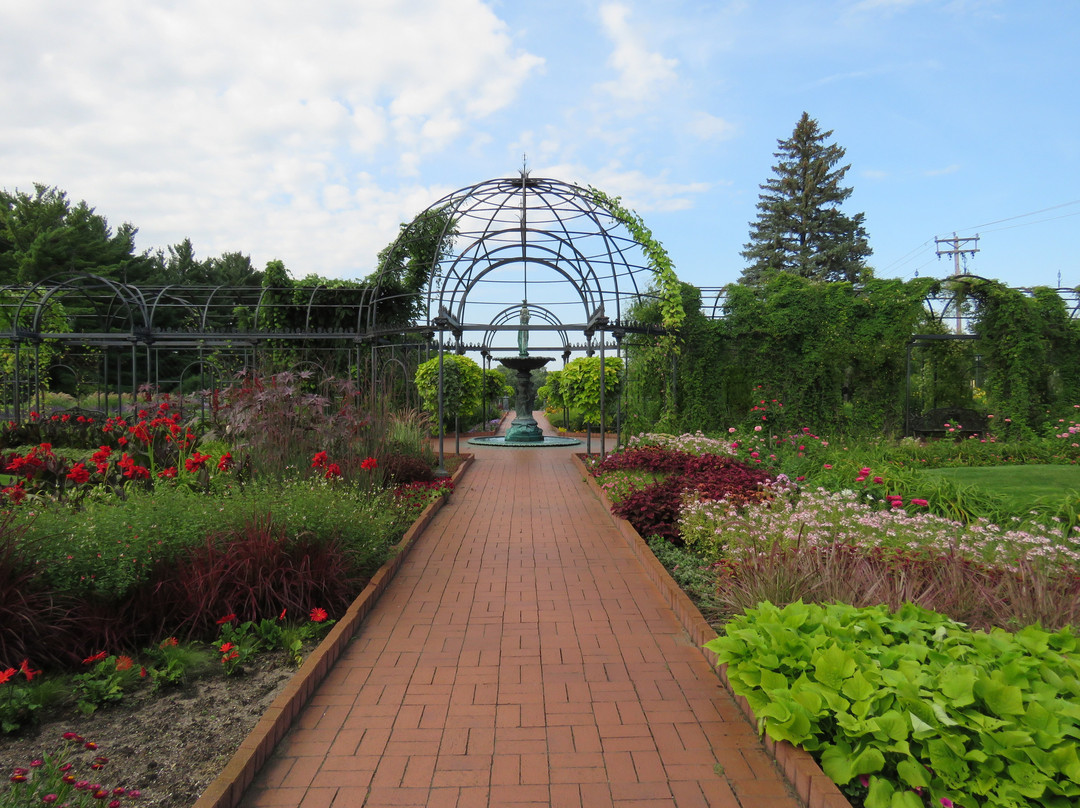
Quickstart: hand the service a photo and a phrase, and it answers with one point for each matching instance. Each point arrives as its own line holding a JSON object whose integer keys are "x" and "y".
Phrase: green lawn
{"x": 1022, "y": 485}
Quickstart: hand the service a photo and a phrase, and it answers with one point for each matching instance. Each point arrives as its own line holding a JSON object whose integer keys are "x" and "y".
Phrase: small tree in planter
{"x": 463, "y": 387}
{"x": 578, "y": 386}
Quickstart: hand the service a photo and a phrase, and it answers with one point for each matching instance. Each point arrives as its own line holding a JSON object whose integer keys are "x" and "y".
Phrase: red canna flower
{"x": 24, "y": 666}
{"x": 5, "y": 675}
{"x": 318, "y": 615}
{"x": 226, "y": 462}
{"x": 369, "y": 464}
{"x": 226, "y": 619}
{"x": 168, "y": 473}
{"x": 226, "y": 647}
{"x": 333, "y": 470}
{"x": 100, "y": 655}
{"x": 196, "y": 461}
{"x": 319, "y": 460}
{"x": 282, "y": 615}
{"x": 79, "y": 473}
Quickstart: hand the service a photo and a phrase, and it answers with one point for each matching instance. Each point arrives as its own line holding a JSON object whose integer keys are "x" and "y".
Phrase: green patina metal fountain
{"x": 524, "y": 431}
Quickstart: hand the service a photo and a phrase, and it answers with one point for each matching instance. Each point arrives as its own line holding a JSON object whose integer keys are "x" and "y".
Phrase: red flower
{"x": 282, "y": 615}
{"x": 226, "y": 647}
{"x": 100, "y": 655}
{"x": 170, "y": 642}
{"x": 24, "y": 666}
{"x": 319, "y": 460}
{"x": 333, "y": 470}
{"x": 124, "y": 663}
{"x": 226, "y": 462}
{"x": 369, "y": 464}
{"x": 15, "y": 493}
{"x": 5, "y": 675}
{"x": 196, "y": 461}
{"x": 226, "y": 619}
{"x": 318, "y": 615}
{"x": 79, "y": 473}
{"x": 168, "y": 473}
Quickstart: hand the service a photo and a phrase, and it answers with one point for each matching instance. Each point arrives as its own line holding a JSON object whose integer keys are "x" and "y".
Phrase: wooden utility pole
{"x": 958, "y": 249}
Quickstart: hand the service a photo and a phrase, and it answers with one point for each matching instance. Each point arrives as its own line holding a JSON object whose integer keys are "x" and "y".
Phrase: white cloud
{"x": 639, "y": 191}
{"x": 709, "y": 127}
{"x": 642, "y": 73}
{"x": 194, "y": 114}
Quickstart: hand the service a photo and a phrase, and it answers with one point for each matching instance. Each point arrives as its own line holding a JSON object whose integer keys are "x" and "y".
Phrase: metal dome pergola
{"x": 524, "y": 244}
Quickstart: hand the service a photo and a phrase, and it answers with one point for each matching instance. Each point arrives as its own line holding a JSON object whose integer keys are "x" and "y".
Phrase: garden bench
{"x": 962, "y": 422}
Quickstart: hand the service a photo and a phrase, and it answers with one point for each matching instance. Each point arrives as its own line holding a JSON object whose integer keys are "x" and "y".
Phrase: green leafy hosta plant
{"x": 908, "y": 706}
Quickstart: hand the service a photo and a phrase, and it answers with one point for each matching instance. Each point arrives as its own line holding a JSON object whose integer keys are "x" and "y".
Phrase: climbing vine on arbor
{"x": 667, "y": 286}
{"x": 1030, "y": 348}
{"x": 828, "y": 354}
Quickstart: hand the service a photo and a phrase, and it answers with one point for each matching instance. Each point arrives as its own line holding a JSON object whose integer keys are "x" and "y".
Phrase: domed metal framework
{"x": 544, "y": 242}
{"x": 571, "y": 262}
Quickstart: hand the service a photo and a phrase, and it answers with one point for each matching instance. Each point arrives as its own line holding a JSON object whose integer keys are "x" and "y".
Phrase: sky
{"x": 308, "y": 132}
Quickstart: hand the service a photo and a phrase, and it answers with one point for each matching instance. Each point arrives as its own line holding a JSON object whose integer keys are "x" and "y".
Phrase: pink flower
{"x": 946, "y": 802}
{"x": 860, "y": 478}
{"x": 826, "y": 465}
{"x": 757, "y": 428}
{"x": 731, "y": 430}
{"x": 878, "y": 480}
{"x": 865, "y": 471}
{"x": 921, "y": 503}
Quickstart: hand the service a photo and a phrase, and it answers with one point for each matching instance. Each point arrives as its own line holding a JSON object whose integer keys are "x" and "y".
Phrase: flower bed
{"x": 870, "y": 547}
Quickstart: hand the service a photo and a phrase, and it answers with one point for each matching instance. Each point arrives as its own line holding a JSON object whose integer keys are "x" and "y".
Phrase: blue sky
{"x": 308, "y": 132}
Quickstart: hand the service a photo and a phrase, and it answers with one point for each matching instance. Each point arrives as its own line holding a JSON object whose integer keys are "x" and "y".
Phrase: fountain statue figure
{"x": 523, "y": 334}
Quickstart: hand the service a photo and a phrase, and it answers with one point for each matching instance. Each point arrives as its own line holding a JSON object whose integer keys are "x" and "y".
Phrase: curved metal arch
{"x": 507, "y": 315}
{"x": 523, "y": 222}
{"x": 586, "y": 296}
{"x": 67, "y": 281}
{"x": 577, "y": 260}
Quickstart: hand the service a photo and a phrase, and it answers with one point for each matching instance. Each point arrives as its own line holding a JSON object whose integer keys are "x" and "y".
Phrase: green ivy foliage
{"x": 1031, "y": 350}
{"x": 667, "y": 290}
{"x": 793, "y": 352}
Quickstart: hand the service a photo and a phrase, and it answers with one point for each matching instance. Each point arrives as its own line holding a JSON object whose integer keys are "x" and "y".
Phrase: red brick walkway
{"x": 520, "y": 657}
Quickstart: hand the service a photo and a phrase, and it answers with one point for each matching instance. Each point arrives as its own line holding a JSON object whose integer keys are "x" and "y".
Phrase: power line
{"x": 1025, "y": 215}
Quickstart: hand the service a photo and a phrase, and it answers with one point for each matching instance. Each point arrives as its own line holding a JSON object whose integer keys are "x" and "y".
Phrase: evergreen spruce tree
{"x": 799, "y": 227}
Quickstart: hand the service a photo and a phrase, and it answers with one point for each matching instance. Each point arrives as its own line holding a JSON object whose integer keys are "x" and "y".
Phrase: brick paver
{"x": 520, "y": 657}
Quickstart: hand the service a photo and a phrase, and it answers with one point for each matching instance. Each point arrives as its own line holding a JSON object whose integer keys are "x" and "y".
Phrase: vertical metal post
{"x": 441, "y": 470}
{"x": 603, "y": 387}
{"x": 17, "y": 393}
{"x": 907, "y": 393}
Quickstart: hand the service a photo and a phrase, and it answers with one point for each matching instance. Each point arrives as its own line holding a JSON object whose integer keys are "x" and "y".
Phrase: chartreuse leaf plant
{"x": 912, "y": 709}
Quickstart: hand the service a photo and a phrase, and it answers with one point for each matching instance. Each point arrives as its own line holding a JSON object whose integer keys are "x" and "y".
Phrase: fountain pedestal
{"x": 523, "y": 429}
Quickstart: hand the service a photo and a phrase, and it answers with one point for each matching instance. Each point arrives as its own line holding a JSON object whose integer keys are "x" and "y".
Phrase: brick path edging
{"x": 815, "y": 788}
{"x": 227, "y": 789}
